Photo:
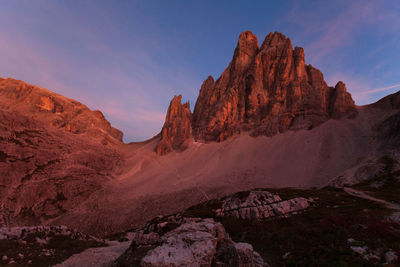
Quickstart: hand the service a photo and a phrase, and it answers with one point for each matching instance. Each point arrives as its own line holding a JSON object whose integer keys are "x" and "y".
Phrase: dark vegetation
{"x": 132, "y": 256}
{"x": 386, "y": 183}
{"x": 319, "y": 236}
{"x": 28, "y": 252}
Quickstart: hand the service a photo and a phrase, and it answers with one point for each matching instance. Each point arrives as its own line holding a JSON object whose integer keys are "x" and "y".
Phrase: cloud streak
{"x": 377, "y": 90}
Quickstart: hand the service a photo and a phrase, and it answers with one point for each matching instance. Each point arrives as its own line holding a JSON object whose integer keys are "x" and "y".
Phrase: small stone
{"x": 359, "y": 250}
{"x": 286, "y": 255}
{"x": 162, "y": 225}
{"x": 390, "y": 257}
{"x": 351, "y": 240}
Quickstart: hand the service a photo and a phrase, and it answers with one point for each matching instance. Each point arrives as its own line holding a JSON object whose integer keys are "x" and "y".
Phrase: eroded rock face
{"x": 262, "y": 204}
{"x": 45, "y": 171}
{"x": 341, "y": 102}
{"x": 196, "y": 242}
{"x": 54, "y": 153}
{"x": 55, "y": 110}
{"x": 267, "y": 90}
{"x": 176, "y": 133}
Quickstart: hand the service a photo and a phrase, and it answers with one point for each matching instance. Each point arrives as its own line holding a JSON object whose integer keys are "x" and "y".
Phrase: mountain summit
{"x": 267, "y": 90}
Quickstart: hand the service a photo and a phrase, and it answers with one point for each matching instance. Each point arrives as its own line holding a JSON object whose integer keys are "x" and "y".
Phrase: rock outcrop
{"x": 54, "y": 153}
{"x": 196, "y": 242}
{"x": 267, "y": 90}
{"x": 45, "y": 171}
{"x": 55, "y": 110}
{"x": 261, "y": 205}
{"x": 341, "y": 102}
{"x": 177, "y": 130}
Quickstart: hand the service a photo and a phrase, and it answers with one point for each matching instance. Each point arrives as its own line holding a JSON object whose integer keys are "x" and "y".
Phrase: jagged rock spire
{"x": 177, "y": 131}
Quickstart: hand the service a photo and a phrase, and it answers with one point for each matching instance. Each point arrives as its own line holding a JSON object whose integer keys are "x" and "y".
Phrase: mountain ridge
{"x": 266, "y": 90}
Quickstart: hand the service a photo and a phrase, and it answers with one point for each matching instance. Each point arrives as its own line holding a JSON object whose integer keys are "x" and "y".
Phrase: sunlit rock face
{"x": 177, "y": 131}
{"x": 55, "y": 110}
{"x": 54, "y": 153}
{"x": 267, "y": 90}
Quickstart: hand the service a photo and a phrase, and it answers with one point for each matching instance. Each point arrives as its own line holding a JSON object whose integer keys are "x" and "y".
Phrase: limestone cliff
{"x": 267, "y": 90}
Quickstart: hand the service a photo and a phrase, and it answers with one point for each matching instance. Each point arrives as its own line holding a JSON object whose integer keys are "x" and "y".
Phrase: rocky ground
{"x": 329, "y": 226}
{"x": 42, "y": 245}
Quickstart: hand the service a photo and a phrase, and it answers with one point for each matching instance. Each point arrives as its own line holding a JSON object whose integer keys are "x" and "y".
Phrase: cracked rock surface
{"x": 262, "y": 204}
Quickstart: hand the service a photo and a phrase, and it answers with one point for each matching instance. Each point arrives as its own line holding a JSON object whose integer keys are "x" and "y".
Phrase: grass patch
{"x": 203, "y": 210}
{"x": 120, "y": 237}
{"x": 386, "y": 183}
{"x": 132, "y": 256}
{"x": 58, "y": 249}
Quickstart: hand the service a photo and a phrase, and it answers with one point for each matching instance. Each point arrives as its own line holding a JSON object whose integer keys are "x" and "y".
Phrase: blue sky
{"x": 128, "y": 58}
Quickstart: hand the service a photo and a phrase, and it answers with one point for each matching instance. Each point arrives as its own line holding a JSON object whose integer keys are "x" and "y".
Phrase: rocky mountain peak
{"x": 272, "y": 90}
{"x": 275, "y": 39}
{"x": 247, "y": 47}
{"x": 266, "y": 91}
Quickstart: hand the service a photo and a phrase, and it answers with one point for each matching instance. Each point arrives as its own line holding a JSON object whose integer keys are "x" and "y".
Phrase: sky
{"x": 129, "y": 58}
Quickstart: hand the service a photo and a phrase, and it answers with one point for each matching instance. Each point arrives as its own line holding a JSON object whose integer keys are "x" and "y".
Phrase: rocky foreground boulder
{"x": 261, "y": 205}
{"x": 184, "y": 240}
{"x": 196, "y": 242}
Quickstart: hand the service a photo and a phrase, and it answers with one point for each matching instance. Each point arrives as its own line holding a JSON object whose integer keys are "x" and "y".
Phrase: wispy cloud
{"x": 338, "y": 32}
{"x": 369, "y": 92}
{"x": 325, "y": 27}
